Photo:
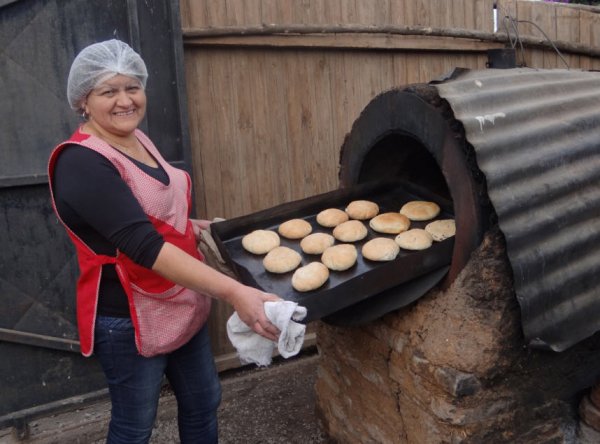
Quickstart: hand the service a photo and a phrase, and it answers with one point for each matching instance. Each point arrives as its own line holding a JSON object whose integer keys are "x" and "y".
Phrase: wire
{"x": 518, "y": 40}
{"x": 549, "y": 40}
{"x": 514, "y": 24}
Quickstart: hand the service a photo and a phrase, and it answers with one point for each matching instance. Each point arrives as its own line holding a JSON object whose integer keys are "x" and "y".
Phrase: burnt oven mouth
{"x": 400, "y": 156}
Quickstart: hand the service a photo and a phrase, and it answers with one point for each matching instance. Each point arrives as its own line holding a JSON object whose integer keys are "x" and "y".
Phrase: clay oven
{"x": 501, "y": 347}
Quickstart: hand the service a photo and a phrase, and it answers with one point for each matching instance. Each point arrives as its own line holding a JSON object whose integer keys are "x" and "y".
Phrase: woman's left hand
{"x": 249, "y": 305}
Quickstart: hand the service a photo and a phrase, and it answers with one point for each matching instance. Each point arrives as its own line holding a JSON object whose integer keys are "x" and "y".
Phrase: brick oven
{"x": 501, "y": 346}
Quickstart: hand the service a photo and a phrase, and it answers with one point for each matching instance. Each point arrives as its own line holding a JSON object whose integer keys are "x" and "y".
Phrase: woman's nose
{"x": 123, "y": 98}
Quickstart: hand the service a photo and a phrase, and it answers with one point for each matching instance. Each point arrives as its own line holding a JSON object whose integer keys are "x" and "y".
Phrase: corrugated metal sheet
{"x": 536, "y": 134}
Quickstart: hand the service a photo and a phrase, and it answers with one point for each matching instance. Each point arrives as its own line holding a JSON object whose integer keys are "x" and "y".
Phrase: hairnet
{"x": 99, "y": 62}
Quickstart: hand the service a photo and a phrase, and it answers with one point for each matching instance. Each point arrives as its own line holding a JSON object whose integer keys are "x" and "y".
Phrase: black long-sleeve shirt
{"x": 99, "y": 207}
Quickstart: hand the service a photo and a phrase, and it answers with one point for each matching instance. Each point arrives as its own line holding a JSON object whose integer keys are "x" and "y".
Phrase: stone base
{"x": 452, "y": 368}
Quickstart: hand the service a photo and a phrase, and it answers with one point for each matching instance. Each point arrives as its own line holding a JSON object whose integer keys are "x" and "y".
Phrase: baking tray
{"x": 344, "y": 288}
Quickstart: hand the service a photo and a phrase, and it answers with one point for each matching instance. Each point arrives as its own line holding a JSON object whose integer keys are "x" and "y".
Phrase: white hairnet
{"x": 99, "y": 62}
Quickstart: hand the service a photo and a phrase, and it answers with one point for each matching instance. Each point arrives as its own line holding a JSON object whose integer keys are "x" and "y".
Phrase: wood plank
{"x": 347, "y": 10}
{"x": 568, "y": 29}
{"x": 349, "y": 41}
{"x": 215, "y": 12}
{"x": 276, "y": 11}
{"x": 302, "y": 124}
{"x": 323, "y": 164}
{"x": 482, "y": 15}
{"x": 243, "y": 12}
{"x": 589, "y": 34}
{"x": 398, "y": 13}
{"x": 342, "y": 116}
{"x": 193, "y": 14}
{"x": 531, "y": 58}
{"x": 373, "y": 12}
{"x": 457, "y": 14}
{"x": 423, "y": 16}
{"x": 204, "y": 135}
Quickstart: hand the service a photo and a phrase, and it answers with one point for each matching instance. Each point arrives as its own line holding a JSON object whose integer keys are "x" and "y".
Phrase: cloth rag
{"x": 254, "y": 349}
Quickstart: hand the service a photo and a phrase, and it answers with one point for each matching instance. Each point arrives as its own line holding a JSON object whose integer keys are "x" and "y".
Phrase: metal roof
{"x": 536, "y": 135}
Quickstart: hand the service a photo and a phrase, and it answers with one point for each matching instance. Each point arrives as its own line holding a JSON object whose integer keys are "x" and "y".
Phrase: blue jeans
{"x": 134, "y": 384}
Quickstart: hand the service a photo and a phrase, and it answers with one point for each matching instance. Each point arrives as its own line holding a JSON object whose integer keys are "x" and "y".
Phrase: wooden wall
{"x": 269, "y": 111}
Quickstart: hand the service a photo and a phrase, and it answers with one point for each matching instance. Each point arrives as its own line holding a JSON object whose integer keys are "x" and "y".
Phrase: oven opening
{"x": 402, "y": 157}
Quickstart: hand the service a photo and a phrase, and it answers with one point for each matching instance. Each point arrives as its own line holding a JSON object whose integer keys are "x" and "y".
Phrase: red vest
{"x": 165, "y": 315}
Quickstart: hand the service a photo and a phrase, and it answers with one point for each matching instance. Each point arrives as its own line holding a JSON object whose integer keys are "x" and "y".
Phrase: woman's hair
{"x": 99, "y": 62}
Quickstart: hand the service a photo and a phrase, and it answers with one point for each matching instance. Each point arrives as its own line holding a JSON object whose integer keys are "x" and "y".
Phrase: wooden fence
{"x": 275, "y": 85}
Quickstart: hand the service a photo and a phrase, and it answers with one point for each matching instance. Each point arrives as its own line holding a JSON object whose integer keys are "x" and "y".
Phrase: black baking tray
{"x": 365, "y": 279}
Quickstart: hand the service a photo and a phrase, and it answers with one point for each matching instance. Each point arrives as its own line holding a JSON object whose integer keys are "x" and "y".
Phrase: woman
{"x": 143, "y": 294}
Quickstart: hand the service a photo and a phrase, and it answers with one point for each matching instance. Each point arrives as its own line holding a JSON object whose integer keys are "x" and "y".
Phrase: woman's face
{"x": 116, "y": 106}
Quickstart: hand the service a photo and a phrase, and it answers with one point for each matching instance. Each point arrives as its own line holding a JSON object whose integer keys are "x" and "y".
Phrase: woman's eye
{"x": 133, "y": 88}
{"x": 107, "y": 93}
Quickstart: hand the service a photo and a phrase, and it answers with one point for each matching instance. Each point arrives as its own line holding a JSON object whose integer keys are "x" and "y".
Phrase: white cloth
{"x": 254, "y": 349}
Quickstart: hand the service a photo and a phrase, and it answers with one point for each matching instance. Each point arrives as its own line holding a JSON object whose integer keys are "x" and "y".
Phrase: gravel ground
{"x": 260, "y": 406}
{"x": 274, "y": 405}
{"x": 271, "y": 406}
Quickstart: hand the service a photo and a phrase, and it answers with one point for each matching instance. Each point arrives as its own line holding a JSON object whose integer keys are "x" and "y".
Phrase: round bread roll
{"x": 295, "y": 229}
{"x": 441, "y": 229}
{"x": 281, "y": 260}
{"x": 390, "y": 223}
{"x": 260, "y": 241}
{"x": 380, "y": 249}
{"x": 415, "y": 239}
{"x": 331, "y": 217}
{"x": 420, "y": 210}
{"x": 362, "y": 209}
{"x": 340, "y": 257}
{"x": 350, "y": 231}
{"x": 316, "y": 243}
{"x": 310, "y": 277}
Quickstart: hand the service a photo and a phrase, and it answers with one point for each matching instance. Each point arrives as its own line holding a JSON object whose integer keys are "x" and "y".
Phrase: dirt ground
{"x": 260, "y": 406}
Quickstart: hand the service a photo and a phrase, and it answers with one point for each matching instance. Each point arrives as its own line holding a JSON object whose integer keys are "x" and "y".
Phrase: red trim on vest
{"x": 135, "y": 279}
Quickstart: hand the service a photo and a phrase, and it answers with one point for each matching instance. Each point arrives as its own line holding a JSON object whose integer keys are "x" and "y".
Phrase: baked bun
{"x": 380, "y": 249}
{"x": 281, "y": 260}
{"x": 390, "y": 223}
{"x": 415, "y": 239}
{"x": 420, "y": 210}
{"x": 441, "y": 229}
{"x": 362, "y": 209}
{"x": 295, "y": 229}
{"x": 310, "y": 277}
{"x": 316, "y": 243}
{"x": 350, "y": 231}
{"x": 340, "y": 257}
{"x": 331, "y": 217}
{"x": 260, "y": 241}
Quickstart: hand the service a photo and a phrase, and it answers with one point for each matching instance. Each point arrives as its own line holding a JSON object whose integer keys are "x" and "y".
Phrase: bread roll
{"x": 310, "y": 277}
{"x": 295, "y": 229}
{"x": 260, "y": 241}
{"x": 390, "y": 223}
{"x": 419, "y": 210}
{"x": 380, "y": 249}
{"x": 441, "y": 229}
{"x": 362, "y": 209}
{"x": 281, "y": 260}
{"x": 331, "y": 217}
{"x": 316, "y": 243}
{"x": 340, "y": 257}
{"x": 415, "y": 239}
{"x": 350, "y": 231}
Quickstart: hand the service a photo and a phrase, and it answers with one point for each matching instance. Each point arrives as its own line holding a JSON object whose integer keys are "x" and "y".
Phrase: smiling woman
{"x": 114, "y": 110}
{"x": 143, "y": 294}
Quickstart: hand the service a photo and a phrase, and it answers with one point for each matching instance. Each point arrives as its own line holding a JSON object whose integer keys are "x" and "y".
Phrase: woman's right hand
{"x": 249, "y": 304}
